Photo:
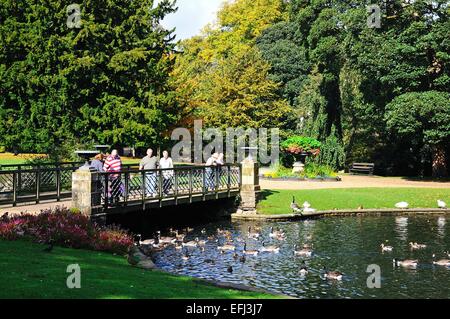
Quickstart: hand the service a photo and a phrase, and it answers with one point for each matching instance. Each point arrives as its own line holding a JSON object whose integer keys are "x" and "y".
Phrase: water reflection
{"x": 346, "y": 244}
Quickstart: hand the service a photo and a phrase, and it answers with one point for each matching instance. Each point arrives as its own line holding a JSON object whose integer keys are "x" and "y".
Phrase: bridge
{"x": 130, "y": 190}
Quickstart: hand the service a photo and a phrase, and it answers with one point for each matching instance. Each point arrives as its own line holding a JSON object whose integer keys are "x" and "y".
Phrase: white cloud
{"x": 192, "y": 16}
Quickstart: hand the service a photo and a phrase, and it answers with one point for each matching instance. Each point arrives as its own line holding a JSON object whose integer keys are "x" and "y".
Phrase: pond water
{"x": 347, "y": 244}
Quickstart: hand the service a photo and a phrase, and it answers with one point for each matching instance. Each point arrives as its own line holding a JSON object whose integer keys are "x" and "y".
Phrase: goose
{"x": 250, "y": 252}
{"x": 270, "y": 249}
{"x": 178, "y": 246}
{"x": 186, "y": 255}
{"x": 386, "y": 248}
{"x": 405, "y": 263}
{"x": 275, "y": 233}
{"x": 402, "y": 205}
{"x": 442, "y": 262}
{"x": 294, "y": 206}
{"x": 253, "y": 235}
{"x": 303, "y": 252}
{"x": 165, "y": 240}
{"x": 332, "y": 275}
{"x": 303, "y": 269}
{"x": 417, "y": 246}
{"x": 200, "y": 242}
{"x": 191, "y": 243}
{"x": 227, "y": 247}
{"x": 441, "y": 204}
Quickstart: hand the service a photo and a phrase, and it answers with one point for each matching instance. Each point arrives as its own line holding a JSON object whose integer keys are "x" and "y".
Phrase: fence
{"x": 120, "y": 189}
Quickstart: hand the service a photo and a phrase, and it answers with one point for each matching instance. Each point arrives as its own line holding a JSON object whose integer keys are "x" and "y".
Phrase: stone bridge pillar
{"x": 83, "y": 190}
{"x": 249, "y": 187}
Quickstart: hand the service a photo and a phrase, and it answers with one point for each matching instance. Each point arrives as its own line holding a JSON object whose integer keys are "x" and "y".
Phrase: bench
{"x": 362, "y": 168}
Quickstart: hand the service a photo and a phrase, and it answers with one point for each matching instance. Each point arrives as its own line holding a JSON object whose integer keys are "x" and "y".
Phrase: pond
{"x": 346, "y": 244}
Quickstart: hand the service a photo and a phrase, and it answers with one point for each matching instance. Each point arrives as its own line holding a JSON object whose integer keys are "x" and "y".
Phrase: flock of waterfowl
{"x": 225, "y": 244}
{"x": 412, "y": 263}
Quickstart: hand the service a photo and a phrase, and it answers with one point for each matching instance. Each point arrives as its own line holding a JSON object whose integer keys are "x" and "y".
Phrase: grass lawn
{"x": 28, "y": 272}
{"x": 278, "y": 201}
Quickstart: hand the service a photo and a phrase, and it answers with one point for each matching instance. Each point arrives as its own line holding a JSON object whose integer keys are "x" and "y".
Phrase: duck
{"x": 270, "y": 249}
{"x": 227, "y": 247}
{"x": 402, "y": 205}
{"x": 417, "y": 246}
{"x": 386, "y": 248}
{"x": 332, "y": 275}
{"x": 303, "y": 252}
{"x": 442, "y": 262}
{"x": 242, "y": 259}
{"x": 203, "y": 231}
{"x": 230, "y": 269}
{"x": 441, "y": 204}
{"x": 405, "y": 263}
{"x": 303, "y": 269}
{"x": 249, "y": 252}
{"x": 179, "y": 246}
{"x": 295, "y": 207}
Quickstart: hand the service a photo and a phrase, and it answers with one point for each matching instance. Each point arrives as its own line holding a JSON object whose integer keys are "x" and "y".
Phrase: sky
{"x": 191, "y": 17}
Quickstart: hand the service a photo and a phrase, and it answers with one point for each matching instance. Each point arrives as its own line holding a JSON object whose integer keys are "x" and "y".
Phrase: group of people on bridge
{"x": 150, "y": 164}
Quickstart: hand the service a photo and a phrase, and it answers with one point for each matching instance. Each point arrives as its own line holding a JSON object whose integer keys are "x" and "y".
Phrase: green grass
{"x": 28, "y": 272}
{"x": 278, "y": 201}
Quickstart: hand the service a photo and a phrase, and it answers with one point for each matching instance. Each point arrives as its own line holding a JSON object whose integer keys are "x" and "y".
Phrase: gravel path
{"x": 353, "y": 181}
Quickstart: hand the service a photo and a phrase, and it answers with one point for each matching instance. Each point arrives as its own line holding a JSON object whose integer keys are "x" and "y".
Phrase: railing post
{"x": 127, "y": 178}
{"x": 58, "y": 184}
{"x": 14, "y": 189}
{"x": 160, "y": 187}
{"x": 175, "y": 177}
{"x": 106, "y": 192}
{"x": 38, "y": 185}
{"x": 191, "y": 175}
{"x": 84, "y": 190}
{"x": 143, "y": 188}
{"x": 204, "y": 182}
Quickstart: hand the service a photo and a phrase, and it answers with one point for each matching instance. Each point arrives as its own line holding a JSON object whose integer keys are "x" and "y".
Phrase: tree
{"x": 221, "y": 76}
{"x": 423, "y": 116}
{"x": 105, "y": 81}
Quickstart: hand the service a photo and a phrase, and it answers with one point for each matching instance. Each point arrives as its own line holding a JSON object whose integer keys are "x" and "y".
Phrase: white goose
{"x": 441, "y": 204}
{"x": 386, "y": 248}
{"x": 270, "y": 249}
{"x": 402, "y": 205}
{"x": 302, "y": 252}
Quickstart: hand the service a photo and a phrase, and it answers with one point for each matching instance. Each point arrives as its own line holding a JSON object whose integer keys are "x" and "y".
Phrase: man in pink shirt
{"x": 114, "y": 164}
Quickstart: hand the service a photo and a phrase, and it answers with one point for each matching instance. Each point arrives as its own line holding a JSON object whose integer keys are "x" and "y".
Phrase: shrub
{"x": 67, "y": 229}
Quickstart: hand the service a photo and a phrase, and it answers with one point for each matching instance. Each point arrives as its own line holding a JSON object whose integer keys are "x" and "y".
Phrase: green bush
{"x": 2, "y": 149}
{"x": 312, "y": 170}
{"x": 332, "y": 153}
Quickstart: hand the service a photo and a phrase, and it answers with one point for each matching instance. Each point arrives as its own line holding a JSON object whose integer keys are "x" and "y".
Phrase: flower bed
{"x": 65, "y": 228}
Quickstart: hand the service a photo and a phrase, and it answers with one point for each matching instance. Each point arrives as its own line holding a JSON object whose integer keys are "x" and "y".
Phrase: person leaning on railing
{"x": 210, "y": 172}
{"x": 97, "y": 164}
{"x": 149, "y": 162}
{"x": 165, "y": 163}
{"x": 113, "y": 164}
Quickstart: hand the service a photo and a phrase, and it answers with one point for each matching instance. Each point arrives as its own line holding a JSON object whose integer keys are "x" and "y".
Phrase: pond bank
{"x": 334, "y": 213}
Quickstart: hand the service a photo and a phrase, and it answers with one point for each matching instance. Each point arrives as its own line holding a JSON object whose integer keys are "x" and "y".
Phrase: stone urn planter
{"x": 298, "y": 167}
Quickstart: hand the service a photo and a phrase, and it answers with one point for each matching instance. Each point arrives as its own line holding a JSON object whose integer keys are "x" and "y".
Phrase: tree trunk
{"x": 439, "y": 162}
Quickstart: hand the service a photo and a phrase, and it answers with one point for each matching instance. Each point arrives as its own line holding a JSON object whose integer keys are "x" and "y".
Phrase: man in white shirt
{"x": 165, "y": 163}
{"x": 210, "y": 172}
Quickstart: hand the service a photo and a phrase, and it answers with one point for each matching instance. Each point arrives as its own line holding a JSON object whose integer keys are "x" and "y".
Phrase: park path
{"x": 34, "y": 208}
{"x": 353, "y": 181}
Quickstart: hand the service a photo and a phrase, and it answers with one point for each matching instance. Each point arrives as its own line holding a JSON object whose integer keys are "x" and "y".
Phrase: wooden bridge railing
{"x": 134, "y": 187}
